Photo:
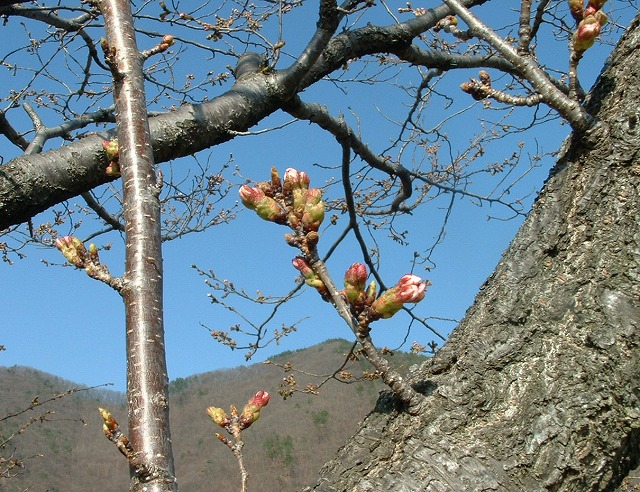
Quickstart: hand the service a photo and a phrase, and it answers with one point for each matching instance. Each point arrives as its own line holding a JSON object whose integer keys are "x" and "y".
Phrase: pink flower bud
{"x": 355, "y": 280}
{"x": 296, "y": 179}
{"x": 73, "y": 250}
{"x": 295, "y": 185}
{"x": 113, "y": 169}
{"x": 303, "y": 267}
{"x": 260, "y": 399}
{"x": 410, "y": 288}
{"x": 266, "y": 208}
{"x": 588, "y": 30}
{"x": 310, "y": 277}
{"x": 251, "y": 411}
{"x": 219, "y": 416}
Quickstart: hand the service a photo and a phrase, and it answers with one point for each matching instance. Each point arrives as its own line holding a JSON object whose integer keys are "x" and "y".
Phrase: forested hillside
{"x": 284, "y": 450}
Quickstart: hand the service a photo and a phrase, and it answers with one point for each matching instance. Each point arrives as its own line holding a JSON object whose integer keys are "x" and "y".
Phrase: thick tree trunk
{"x": 537, "y": 389}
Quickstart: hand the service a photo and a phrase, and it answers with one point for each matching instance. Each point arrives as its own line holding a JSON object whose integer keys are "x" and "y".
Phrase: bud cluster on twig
{"x": 364, "y": 304}
{"x": 233, "y": 422}
{"x": 589, "y": 20}
{"x": 112, "y": 150}
{"x": 289, "y": 201}
{"x": 78, "y": 255}
{"x": 295, "y": 204}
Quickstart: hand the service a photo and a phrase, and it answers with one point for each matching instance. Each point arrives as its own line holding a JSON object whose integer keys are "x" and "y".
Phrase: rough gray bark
{"x": 537, "y": 389}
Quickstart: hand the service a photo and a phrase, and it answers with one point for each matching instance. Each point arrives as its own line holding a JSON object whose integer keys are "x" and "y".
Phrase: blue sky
{"x": 58, "y": 320}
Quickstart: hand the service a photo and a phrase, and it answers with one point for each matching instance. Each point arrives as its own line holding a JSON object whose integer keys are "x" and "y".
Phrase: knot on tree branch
{"x": 249, "y": 63}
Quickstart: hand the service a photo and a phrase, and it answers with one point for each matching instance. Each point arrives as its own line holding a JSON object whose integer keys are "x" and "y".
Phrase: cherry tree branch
{"x": 528, "y": 69}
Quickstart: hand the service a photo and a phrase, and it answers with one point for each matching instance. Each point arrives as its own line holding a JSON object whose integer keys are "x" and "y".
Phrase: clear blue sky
{"x": 58, "y": 320}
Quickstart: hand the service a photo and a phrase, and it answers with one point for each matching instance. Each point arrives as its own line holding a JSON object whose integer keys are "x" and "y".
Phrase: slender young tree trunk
{"x": 537, "y": 389}
{"x": 147, "y": 382}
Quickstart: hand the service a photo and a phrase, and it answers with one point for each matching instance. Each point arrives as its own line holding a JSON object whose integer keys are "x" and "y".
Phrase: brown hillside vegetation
{"x": 284, "y": 450}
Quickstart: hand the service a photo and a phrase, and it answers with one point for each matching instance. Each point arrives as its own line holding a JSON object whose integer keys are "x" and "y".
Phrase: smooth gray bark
{"x": 152, "y": 466}
{"x": 537, "y": 389}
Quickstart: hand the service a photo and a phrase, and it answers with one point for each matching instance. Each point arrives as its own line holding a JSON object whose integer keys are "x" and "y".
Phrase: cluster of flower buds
{"x": 590, "y": 22}
{"x": 289, "y": 201}
{"x": 234, "y": 422}
{"x": 409, "y": 289}
{"x": 112, "y": 150}
{"x": 418, "y": 11}
{"x": 75, "y": 252}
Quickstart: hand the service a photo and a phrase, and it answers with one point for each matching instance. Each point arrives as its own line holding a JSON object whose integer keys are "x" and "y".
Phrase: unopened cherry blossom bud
{"x": 251, "y": 411}
{"x": 313, "y": 213}
{"x": 113, "y": 169}
{"x": 409, "y": 289}
{"x": 467, "y": 87}
{"x": 296, "y": 179}
{"x": 355, "y": 280}
{"x": 312, "y": 238}
{"x": 111, "y": 148}
{"x": 109, "y": 423}
{"x": 484, "y": 77}
{"x": 266, "y": 207}
{"x": 260, "y": 399}
{"x": 219, "y": 416}
{"x": 310, "y": 276}
{"x": 588, "y": 30}
{"x": 296, "y": 184}
{"x": 73, "y": 250}
{"x": 167, "y": 41}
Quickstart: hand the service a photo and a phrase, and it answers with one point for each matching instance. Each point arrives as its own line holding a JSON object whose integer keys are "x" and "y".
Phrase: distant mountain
{"x": 62, "y": 447}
